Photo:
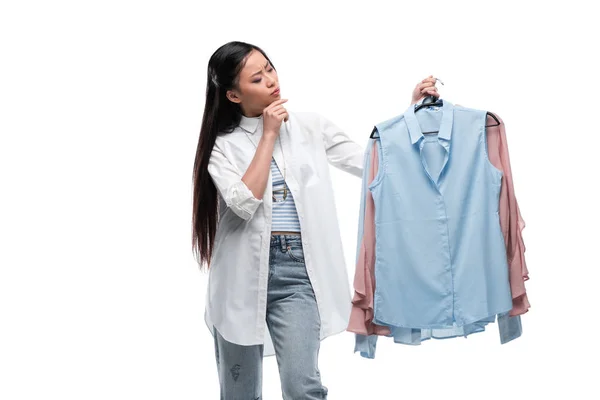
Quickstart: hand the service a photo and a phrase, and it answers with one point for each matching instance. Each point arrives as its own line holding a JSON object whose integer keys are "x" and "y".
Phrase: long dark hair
{"x": 220, "y": 116}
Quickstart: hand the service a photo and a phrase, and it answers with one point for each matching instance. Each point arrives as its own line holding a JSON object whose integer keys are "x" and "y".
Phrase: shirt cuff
{"x": 241, "y": 200}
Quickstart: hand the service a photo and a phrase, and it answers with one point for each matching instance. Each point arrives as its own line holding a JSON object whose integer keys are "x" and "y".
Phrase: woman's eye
{"x": 258, "y": 80}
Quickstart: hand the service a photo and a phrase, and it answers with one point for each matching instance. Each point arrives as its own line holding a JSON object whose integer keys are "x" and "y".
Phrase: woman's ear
{"x": 233, "y": 97}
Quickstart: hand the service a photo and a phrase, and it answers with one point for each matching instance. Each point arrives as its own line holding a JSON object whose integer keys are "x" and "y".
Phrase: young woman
{"x": 265, "y": 224}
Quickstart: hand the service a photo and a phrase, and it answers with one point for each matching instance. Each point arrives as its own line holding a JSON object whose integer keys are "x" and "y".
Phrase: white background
{"x": 100, "y": 111}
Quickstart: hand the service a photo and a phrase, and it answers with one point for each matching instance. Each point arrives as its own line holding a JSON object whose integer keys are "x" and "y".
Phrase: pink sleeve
{"x": 361, "y": 315}
{"x": 511, "y": 221}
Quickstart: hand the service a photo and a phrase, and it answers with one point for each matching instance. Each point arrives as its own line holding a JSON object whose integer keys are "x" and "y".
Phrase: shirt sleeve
{"x": 357, "y": 314}
{"x": 342, "y": 152}
{"x": 230, "y": 186}
{"x": 362, "y": 312}
{"x": 511, "y": 220}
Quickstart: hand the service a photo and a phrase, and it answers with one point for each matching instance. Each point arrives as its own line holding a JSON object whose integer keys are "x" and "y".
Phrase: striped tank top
{"x": 285, "y": 217}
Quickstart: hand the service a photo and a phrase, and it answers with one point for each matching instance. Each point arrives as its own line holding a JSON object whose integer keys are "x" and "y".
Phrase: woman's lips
{"x": 276, "y": 92}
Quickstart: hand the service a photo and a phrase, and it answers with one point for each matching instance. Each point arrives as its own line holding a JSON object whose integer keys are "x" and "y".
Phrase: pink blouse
{"x": 511, "y": 222}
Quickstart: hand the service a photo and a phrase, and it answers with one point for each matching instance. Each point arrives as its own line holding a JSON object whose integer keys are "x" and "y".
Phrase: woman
{"x": 265, "y": 223}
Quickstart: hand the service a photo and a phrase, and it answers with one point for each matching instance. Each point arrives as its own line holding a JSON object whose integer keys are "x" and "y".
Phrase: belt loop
{"x": 283, "y": 243}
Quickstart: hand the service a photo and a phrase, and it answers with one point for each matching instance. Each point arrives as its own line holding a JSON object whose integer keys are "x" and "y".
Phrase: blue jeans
{"x": 294, "y": 324}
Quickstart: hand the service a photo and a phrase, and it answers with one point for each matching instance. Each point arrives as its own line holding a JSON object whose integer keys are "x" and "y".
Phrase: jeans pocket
{"x": 296, "y": 253}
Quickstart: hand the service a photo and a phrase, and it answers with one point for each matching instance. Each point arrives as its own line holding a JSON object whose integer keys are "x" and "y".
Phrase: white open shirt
{"x": 236, "y": 297}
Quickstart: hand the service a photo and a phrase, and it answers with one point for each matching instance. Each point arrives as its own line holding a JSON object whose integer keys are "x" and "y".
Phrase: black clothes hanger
{"x": 495, "y": 119}
{"x": 373, "y": 133}
{"x": 432, "y": 101}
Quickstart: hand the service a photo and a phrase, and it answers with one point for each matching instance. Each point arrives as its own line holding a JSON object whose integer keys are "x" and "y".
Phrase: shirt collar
{"x": 249, "y": 124}
{"x": 445, "y": 131}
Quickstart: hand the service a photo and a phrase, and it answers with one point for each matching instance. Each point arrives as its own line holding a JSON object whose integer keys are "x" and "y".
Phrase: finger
{"x": 428, "y": 78}
{"x": 429, "y": 82}
{"x": 283, "y": 116}
{"x": 434, "y": 89}
{"x": 426, "y": 85}
{"x": 280, "y": 112}
{"x": 434, "y": 94}
{"x": 276, "y": 103}
{"x": 277, "y": 109}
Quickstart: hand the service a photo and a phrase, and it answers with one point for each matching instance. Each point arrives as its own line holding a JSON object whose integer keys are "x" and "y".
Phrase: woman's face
{"x": 257, "y": 82}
